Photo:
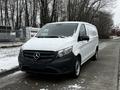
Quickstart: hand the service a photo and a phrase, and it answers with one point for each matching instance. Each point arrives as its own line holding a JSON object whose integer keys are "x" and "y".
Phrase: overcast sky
{"x": 116, "y": 12}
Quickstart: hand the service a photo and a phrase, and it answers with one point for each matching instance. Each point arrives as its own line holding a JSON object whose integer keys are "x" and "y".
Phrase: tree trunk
{"x": 44, "y": 12}
{"x": 6, "y": 13}
{"x": 16, "y": 23}
{"x": 34, "y": 13}
{"x": 26, "y": 14}
{"x": 1, "y": 13}
{"x": 53, "y": 11}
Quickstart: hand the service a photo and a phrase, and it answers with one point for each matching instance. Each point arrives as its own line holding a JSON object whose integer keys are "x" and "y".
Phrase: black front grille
{"x": 44, "y": 55}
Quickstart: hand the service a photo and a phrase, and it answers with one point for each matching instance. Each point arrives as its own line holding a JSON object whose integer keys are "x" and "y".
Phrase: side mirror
{"x": 83, "y": 38}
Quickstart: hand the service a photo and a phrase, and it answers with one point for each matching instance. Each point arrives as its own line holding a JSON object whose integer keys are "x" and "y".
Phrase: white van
{"x": 60, "y": 48}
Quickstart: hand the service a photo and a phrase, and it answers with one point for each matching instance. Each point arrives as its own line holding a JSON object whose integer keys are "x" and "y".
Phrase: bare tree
{"x": 104, "y": 24}
{"x": 44, "y": 12}
{"x": 19, "y": 13}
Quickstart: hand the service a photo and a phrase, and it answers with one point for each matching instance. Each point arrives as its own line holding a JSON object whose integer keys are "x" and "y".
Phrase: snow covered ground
{"x": 8, "y": 58}
{"x": 115, "y": 37}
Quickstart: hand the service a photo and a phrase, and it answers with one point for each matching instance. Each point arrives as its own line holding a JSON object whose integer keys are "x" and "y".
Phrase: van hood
{"x": 48, "y": 44}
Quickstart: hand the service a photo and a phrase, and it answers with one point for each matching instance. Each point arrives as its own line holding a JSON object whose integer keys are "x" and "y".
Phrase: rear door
{"x": 93, "y": 42}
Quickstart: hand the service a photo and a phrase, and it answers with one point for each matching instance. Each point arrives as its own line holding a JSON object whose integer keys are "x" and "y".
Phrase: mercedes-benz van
{"x": 59, "y": 48}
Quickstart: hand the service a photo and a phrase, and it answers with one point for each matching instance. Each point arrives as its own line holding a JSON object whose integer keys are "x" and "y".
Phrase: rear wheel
{"x": 77, "y": 68}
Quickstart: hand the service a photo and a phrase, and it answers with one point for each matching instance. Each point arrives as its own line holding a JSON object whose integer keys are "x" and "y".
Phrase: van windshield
{"x": 57, "y": 30}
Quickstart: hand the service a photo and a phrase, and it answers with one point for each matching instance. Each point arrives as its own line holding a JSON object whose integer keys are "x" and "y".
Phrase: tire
{"x": 77, "y": 69}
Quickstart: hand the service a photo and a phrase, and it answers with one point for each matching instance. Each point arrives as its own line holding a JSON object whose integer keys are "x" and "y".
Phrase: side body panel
{"x": 87, "y": 48}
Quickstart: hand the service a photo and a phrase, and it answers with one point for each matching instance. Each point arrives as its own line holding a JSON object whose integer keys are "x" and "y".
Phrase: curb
{"x": 118, "y": 87}
{"x": 4, "y": 73}
{"x": 11, "y": 46}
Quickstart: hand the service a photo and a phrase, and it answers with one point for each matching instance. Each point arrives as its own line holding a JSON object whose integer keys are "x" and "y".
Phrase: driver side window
{"x": 82, "y": 31}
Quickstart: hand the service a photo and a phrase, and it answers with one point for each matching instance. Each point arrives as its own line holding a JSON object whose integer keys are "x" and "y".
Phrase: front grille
{"x": 44, "y": 55}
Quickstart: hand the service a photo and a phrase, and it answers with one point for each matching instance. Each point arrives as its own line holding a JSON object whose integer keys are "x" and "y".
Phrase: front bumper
{"x": 61, "y": 65}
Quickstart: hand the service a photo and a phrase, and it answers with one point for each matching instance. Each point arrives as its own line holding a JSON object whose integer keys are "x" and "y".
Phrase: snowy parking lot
{"x": 9, "y": 52}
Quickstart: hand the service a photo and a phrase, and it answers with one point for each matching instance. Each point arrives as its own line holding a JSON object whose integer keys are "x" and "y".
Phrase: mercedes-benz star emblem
{"x": 36, "y": 55}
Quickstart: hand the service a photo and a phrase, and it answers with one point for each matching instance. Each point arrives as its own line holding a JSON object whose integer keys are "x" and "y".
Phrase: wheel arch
{"x": 97, "y": 48}
{"x": 79, "y": 58}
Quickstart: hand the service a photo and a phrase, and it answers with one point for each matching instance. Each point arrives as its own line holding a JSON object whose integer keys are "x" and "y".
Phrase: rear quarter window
{"x": 92, "y": 31}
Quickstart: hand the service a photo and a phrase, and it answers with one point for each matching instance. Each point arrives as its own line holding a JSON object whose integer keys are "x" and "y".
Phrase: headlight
{"x": 64, "y": 52}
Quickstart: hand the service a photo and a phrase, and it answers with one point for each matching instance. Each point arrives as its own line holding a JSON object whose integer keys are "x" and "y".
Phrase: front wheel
{"x": 77, "y": 69}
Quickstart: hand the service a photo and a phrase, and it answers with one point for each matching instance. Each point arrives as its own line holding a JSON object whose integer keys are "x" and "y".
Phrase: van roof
{"x": 66, "y": 22}
{"x": 79, "y": 22}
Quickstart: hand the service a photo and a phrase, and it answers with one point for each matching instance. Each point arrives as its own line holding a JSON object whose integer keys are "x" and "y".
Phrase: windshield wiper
{"x": 50, "y": 36}
{"x": 47, "y": 36}
{"x": 61, "y": 36}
